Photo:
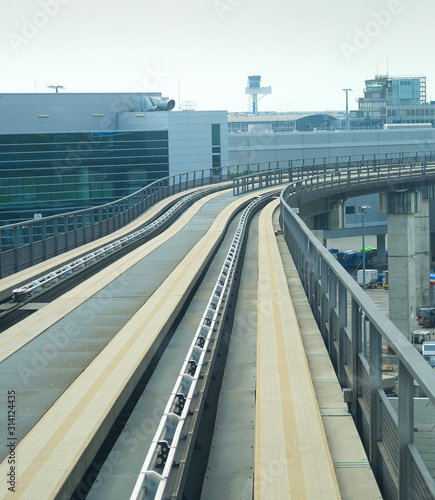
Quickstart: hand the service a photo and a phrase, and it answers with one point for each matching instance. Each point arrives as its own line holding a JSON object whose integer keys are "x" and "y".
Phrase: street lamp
{"x": 347, "y": 107}
{"x": 362, "y": 211}
{"x": 57, "y": 87}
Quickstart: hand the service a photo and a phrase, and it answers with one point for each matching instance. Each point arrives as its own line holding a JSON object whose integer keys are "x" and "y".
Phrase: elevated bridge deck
{"x": 297, "y": 403}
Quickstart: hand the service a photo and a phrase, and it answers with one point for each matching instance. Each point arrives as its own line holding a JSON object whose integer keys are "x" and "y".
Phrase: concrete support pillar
{"x": 318, "y": 233}
{"x": 401, "y": 207}
{"x": 432, "y": 247}
{"x": 380, "y": 246}
{"x": 422, "y": 255}
{"x": 333, "y": 219}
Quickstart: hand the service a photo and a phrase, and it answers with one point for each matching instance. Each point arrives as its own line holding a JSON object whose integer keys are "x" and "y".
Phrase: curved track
{"x": 97, "y": 357}
{"x": 75, "y": 363}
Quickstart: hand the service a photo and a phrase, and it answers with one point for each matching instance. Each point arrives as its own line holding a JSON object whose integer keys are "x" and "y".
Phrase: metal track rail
{"x": 176, "y": 424}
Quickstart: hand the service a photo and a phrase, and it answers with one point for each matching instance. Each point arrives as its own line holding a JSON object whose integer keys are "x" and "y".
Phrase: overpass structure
{"x": 281, "y": 428}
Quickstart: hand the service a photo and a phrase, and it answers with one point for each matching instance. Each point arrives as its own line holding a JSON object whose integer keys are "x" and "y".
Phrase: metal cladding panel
{"x": 366, "y": 386}
{"x": 348, "y": 350}
{"x": 365, "y": 432}
{"x": 421, "y": 489}
{"x": 390, "y": 436}
{"x": 390, "y": 489}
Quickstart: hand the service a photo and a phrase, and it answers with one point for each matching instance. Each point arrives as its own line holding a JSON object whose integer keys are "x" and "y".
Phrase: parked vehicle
{"x": 426, "y": 317}
{"x": 350, "y": 258}
{"x": 419, "y": 337}
{"x": 371, "y": 277}
{"x": 428, "y": 352}
{"x": 334, "y": 252}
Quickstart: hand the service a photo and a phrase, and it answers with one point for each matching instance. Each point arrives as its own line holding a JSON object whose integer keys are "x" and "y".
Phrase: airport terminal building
{"x": 62, "y": 151}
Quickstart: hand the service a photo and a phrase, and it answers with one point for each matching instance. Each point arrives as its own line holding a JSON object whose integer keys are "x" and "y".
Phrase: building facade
{"x": 62, "y": 152}
{"x": 281, "y": 122}
{"x": 384, "y": 93}
{"x": 412, "y": 114}
{"x": 281, "y": 147}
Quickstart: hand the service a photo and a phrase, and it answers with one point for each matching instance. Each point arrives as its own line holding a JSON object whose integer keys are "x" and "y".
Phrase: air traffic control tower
{"x": 254, "y": 89}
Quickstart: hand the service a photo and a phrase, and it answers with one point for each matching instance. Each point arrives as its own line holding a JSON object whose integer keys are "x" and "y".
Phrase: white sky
{"x": 307, "y": 50}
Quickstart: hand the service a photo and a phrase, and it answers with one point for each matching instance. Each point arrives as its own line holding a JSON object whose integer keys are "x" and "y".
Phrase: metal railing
{"x": 388, "y": 167}
{"x": 387, "y": 435}
{"x": 27, "y": 243}
{"x": 30, "y": 242}
{"x": 37, "y": 285}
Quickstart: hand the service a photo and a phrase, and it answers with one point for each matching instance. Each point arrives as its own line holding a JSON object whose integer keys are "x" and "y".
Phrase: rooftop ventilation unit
{"x": 146, "y": 103}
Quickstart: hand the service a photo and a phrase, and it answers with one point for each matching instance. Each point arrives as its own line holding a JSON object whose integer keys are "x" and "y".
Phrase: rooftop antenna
{"x": 387, "y": 66}
{"x": 254, "y": 89}
{"x": 179, "y": 93}
{"x": 57, "y": 87}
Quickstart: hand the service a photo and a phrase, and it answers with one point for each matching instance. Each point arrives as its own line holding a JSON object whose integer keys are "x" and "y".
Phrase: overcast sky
{"x": 203, "y": 50}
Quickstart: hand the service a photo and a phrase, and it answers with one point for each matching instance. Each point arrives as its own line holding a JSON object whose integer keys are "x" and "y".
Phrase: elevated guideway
{"x": 44, "y": 371}
{"x": 248, "y": 438}
{"x": 65, "y": 432}
{"x": 74, "y": 397}
{"x": 282, "y": 429}
{"x": 120, "y": 470}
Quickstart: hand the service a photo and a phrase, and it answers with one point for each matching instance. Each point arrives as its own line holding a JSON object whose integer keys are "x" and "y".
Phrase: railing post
{"x": 76, "y": 231}
{"x": 375, "y": 371}
{"x": 16, "y": 252}
{"x": 66, "y": 232}
{"x": 44, "y": 239}
{"x": 342, "y": 324}
{"x": 31, "y": 248}
{"x": 332, "y": 295}
{"x": 84, "y": 221}
{"x": 356, "y": 344}
{"x": 406, "y": 431}
{"x": 323, "y": 298}
{"x": 55, "y": 236}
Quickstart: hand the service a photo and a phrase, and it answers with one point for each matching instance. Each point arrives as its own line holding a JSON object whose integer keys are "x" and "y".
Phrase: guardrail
{"x": 387, "y": 435}
{"x": 307, "y": 168}
{"x": 36, "y": 286}
{"x": 27, "y": 243}
{"x": 33, "y": 241}
{"x": 185, "y": 399}
{"x": 30, "y": 242}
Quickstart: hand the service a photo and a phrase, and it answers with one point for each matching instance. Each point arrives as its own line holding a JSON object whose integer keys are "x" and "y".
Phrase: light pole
{"x": 347, "y": 107}
{"x": 57, "y": 87}
{"x": 362, "y": 211}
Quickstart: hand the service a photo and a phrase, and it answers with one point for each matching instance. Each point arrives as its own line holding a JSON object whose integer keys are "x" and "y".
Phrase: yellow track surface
{"x": 25, "y": 331}
{"x": 292, "y": 458}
